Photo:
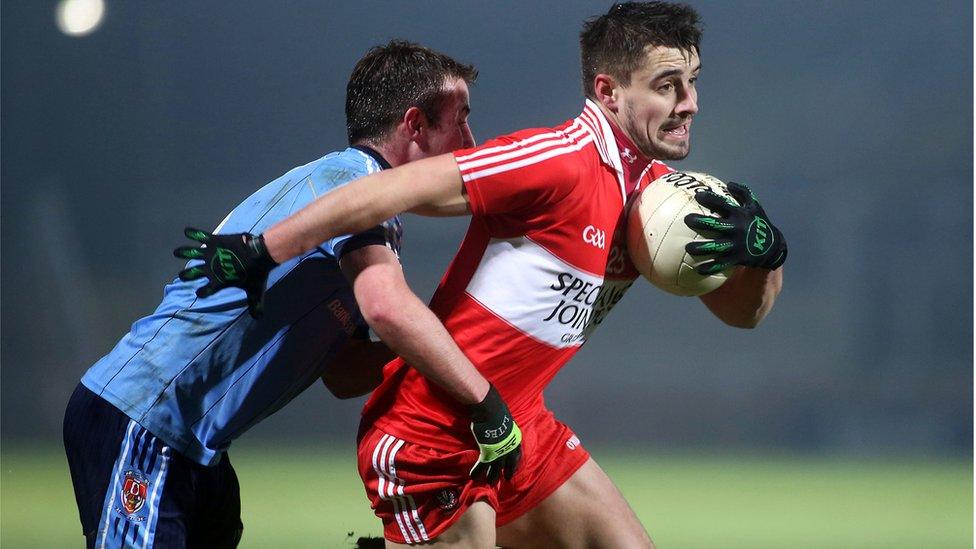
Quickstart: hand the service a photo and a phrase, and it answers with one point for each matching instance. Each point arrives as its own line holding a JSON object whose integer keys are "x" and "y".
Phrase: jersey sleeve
{"x": 523, "y": 171}
{"x": 344, "y": 244}
{"x": 388, "y": 234}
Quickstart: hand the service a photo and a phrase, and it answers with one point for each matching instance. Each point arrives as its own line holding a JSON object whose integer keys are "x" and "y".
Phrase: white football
{"x": 657, "y": 234}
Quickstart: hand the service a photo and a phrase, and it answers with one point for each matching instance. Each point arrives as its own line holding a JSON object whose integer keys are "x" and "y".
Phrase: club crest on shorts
{"x": 447, "y": 499}
{"x": 135, "y": 487}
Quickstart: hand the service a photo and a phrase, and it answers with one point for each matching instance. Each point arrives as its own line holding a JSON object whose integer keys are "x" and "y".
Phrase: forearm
{"x": 424, "y": 185}
{"x": 417, "y": 335}
{"x": 746, "y": 298}
{"x": 407, "y": 326}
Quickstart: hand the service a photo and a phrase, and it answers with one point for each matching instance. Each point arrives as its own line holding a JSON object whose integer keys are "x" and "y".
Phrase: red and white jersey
{"x": 540, "y": 267}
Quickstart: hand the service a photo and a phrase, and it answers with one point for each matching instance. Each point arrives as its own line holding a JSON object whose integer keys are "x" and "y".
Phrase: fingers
{"x": 189, "y": 252}
{"x": 207, "y": 291}
{"x": 711, "y": 267}
{"x": 255, "y": 306}
{"x": 255, "y": 299}
{"x": 192, "y": 273}
{"x": 494, "y": 470}
{"x": 511, "y": 463}
{"x": 699, "y": 222}
{"x": 741, "y": 193}
{"x": 478, "y": 469}
{"x": 707, "y": 247}
{"x": 196, "y": 234}
{"x": 714, "y": 202}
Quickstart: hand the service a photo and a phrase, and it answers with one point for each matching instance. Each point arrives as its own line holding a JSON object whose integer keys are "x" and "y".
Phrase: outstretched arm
{"x": 431, "y": 186}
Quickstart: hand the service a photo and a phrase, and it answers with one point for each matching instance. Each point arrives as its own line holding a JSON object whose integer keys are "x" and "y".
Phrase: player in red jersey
{"x": 542, "y": 264}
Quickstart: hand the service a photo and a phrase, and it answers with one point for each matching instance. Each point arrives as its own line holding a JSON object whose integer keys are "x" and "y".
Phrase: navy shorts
{"x": 134, "y": 491}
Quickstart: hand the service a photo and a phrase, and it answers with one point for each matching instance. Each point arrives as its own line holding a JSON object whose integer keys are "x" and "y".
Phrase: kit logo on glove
{"x": 759, "y": 237}
{"x": 226, "y": 266}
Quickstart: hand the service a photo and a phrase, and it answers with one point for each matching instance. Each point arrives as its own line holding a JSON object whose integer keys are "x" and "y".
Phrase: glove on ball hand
{"x": 745, "y": 236}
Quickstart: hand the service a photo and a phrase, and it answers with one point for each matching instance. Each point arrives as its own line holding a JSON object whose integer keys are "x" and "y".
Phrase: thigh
{"x": 216, "y": 519}
{"x": 586, "y": 511}
{"x": 425, "y": 495}
{"x": 474, "y": 530}
{"x": 93, "y": 433}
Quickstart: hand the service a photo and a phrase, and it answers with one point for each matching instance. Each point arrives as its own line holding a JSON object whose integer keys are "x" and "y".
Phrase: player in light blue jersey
{"x": 147, "y": 430}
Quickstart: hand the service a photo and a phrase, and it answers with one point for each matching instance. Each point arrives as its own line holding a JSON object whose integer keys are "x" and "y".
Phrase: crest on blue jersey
{"x": 135, "y": 489}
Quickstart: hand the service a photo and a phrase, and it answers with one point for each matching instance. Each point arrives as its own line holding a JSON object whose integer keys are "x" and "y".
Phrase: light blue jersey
{"x": 197, "y": 373}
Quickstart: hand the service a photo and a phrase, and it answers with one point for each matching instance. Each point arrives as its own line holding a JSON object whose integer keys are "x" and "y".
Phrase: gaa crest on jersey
{"x": 447, "y": 499}
{"x": 135, "y": 488}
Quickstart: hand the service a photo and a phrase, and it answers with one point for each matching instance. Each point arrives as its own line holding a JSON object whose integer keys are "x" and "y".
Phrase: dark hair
{"x": 615, "y": 43}
{"x": 390, "y": 79}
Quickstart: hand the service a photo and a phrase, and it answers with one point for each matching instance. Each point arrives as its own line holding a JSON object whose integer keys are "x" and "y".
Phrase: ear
{"x": 415, "y": 124}
{"x": 605, "y": 88}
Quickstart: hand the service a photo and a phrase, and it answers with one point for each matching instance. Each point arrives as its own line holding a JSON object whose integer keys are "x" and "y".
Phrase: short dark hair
{"x": 614, "y": 43}
{"x": 390, "y": 79}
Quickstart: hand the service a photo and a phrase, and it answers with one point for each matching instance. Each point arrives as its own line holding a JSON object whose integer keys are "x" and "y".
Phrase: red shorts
{"x": 419, "y": 492}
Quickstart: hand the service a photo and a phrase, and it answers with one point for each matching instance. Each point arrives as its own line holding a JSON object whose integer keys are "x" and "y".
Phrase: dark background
{"x": 851, "y": 120}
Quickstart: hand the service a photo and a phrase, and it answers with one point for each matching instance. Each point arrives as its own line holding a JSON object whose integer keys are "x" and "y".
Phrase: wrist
{"x": 489, "y": 406}
{"x": 273, "y": 246}
{"x": 259, "y": 250}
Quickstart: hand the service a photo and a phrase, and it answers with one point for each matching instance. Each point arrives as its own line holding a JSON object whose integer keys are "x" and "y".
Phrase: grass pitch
{"x": 313, "y": 498}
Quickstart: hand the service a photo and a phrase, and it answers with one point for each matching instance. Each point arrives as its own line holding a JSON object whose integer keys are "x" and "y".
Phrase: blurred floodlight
{"x": 79, "y": 17}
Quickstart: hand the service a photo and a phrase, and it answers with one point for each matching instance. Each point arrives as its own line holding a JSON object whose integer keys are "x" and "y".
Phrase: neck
{"x": 633, "y": 161}
{"x": 394, "y": 155}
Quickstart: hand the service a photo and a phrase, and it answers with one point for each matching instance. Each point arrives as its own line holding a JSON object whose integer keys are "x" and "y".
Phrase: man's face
{"x": 656, "y": 108}
{"x": 451, "y": 132}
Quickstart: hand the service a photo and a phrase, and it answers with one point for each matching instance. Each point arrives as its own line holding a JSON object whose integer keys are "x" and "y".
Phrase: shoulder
{"x": 653, "y": 171}
{"x": 552, "y": 152}
{"x": 336, "y": 169}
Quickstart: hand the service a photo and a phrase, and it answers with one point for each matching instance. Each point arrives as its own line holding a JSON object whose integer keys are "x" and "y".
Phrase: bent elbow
{"x": 339, "y": 387}
{"x": 379, "y": 315}
{"x": 745, "y": 324}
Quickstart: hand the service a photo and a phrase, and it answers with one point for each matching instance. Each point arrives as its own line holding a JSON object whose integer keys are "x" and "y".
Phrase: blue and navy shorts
{"x": 134, "y": 491}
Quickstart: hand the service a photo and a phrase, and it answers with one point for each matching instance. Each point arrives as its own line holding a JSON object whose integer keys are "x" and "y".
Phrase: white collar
{"x": 597, "y": 124}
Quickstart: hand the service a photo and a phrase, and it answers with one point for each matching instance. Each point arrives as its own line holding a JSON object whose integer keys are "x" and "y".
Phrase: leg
{"x": 586, "y": 511}
{"x": 93, "y": 430}
{"x": 474, "y": 530}
{"x": 217, "y": 494}
{"x": 425, "y": 495}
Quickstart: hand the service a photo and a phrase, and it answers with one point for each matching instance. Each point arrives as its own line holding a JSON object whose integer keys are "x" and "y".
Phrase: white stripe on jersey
{"x": 593, "y": 124}
{"x": 528, "y": 161}
{"x": 563, "y": 139}
{"x": 527, "y": 141}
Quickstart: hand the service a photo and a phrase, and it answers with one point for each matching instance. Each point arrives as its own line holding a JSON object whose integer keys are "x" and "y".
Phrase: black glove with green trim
{"x": 238, "y": 260}
{"x": 498, "y": 437}
{"x": 745, "y": 236}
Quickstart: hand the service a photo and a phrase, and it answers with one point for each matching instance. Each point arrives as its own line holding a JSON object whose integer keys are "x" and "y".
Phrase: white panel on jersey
{"x": 540, "y": 295}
